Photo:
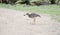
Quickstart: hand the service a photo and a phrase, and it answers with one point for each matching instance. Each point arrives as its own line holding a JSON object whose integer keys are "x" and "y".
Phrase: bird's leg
{"x": 34, "y": 20}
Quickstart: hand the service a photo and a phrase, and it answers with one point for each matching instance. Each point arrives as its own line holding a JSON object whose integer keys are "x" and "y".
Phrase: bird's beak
{"x": 24, "y": 14}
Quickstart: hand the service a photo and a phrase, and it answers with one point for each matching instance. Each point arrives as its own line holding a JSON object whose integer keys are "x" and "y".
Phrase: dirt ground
{"x": 13, "y": 22}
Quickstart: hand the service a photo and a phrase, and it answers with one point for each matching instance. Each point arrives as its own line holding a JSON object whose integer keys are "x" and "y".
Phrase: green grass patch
{"x": 50, "y": 9}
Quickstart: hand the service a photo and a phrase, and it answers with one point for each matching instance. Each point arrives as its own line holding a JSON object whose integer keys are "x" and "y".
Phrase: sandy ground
{"x": 13, "y": 22}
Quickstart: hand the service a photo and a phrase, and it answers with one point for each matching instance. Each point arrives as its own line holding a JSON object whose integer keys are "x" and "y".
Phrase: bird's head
{"x": 26, "y": 14}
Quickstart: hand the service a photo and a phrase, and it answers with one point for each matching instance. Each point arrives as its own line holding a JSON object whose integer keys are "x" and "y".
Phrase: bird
{"x": 33, "y": 15}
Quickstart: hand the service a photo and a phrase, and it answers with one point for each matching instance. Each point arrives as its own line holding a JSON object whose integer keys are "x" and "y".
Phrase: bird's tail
{"x": 39, "y": 16}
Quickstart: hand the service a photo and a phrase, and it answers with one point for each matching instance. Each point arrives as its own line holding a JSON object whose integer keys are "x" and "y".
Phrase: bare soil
{"x": 13, "y": 22}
